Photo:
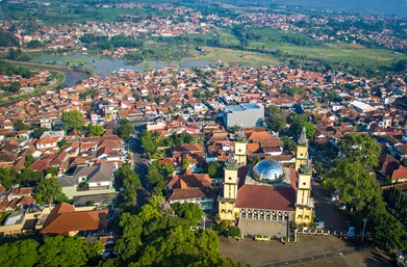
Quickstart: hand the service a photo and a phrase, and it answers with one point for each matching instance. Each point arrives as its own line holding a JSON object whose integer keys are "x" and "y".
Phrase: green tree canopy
{"x": 126, "y": 130}
{"x": 95, "y": 130}
{"x": 63, "y": 251}
{"x": 19, "y": 125}
{"x": 22, "y": 253}
{"x": 147, "y": 142}
{"x": 48, "y": 190}
{"x": 191, "y": 212}
{"x": 276, "y": 122}
{"x": 130, "y": 182}
{"x": 215, "y": 169}
{"x": 72, "y": 120}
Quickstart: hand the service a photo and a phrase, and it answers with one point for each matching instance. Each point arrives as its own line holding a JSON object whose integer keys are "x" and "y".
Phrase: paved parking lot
{"x": 325, "y": 210}
{"x": 310, "y": 251}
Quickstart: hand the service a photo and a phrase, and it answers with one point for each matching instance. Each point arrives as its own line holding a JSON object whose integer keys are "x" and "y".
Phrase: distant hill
{"x": 389, "y": 7}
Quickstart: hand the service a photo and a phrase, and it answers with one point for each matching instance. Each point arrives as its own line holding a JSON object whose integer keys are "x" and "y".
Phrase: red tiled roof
{"x": 268, "y": 197}
{"x": 400, "y": 173}
{"x": 190, "y": 193}
{"x": 63, "y": 219}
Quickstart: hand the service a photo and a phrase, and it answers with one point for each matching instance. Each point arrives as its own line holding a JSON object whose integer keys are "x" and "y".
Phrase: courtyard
{"x": 310, "y": 251}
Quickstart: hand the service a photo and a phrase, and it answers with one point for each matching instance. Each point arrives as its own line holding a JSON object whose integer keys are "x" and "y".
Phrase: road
{"x": 139, "y": 167}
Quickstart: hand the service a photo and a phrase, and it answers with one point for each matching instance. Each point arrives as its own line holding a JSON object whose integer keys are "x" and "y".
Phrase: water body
{"x": 71, "y": 77}
{"x": 102, "y": 66}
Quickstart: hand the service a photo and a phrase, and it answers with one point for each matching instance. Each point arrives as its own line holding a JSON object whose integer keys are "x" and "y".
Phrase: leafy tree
{"x": 95, "y": 130}
{"x": 215, "y": 169}
{"x": 28, "y": 160}
{"x": 185, "y": 164}
{"x": 72, "y": 120}
{"x": 61, "y": 143}
{"x": 309, "y": 130}
{"x": 19, "y": 125}
{"x": 168, "y": 169}
{"x": 93, "y": 251}
{"x": 22, "y": 253}
{"x": 14, "y": 87}
{"x": 63, "y": 251}
{"x": 30, "y": 176}
{"x": 53, "y": 171}
{"x": 147, "y": 142}
{"x": 191, "y": 212}
{"x": 288, "y": 143}
{"x": 156, "y": 137}
{"x": 233, "y": 231}
{"x": 48, "y": 190}
{"x": 9, "y": 177}
{"x": 35, "y": 44}
{"x": 38, "y": 132}
{"x": 126, "y": 130}
{"x": 276, "y": 122}
{"x": 360, "y": 148}
{"x": 130, "y": 181}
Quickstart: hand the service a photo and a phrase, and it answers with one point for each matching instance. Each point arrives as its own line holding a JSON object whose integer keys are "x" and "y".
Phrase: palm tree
{"x": 156, "y": 137}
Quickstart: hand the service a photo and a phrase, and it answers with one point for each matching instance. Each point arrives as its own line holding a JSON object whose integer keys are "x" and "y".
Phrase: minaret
{"x": 304, "y": 204}
{"x": 230, "y": 184}
{"x": 302, "y": 150}
{"x": 240, "y": 148}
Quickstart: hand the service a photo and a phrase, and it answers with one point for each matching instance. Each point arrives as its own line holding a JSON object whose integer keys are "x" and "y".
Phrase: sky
{"x": 389, "y": 7}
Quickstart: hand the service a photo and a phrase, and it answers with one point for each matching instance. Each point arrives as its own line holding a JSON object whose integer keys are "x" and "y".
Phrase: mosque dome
{"x": 268, "y": 171}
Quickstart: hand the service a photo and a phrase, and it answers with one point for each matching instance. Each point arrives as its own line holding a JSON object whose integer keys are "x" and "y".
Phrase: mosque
{"x": 265, "y": 198}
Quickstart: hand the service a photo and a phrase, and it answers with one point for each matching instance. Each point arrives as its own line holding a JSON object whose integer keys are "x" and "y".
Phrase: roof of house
{"x": 190, "y": 193}
{"x": 96, "y": 173}
{"x": 63, "y": 219}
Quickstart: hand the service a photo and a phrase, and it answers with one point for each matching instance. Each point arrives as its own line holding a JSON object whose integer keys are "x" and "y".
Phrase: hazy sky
{"x": 398, "y": 7}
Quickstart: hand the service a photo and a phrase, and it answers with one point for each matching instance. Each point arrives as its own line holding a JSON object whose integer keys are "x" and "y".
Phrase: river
{"x": 102, "y": 66}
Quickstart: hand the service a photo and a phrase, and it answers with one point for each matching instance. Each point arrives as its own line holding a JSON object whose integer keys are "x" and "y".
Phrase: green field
{"x": 341, "y": 52}
{"x": 237, "y": 56}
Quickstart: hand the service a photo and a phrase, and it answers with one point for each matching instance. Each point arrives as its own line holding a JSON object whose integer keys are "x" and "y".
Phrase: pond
{"x": 102, "y": 66}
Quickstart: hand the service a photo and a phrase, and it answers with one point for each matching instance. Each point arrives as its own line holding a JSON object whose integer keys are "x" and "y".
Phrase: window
{"x": 230, "y": 178}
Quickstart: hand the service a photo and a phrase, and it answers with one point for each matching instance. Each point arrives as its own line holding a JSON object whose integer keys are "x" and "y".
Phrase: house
{"x": 47, "y": 142}
{"x": 191, "y": 188}
{"x": 90, "y": 180}
{"x": 65, "y": 219}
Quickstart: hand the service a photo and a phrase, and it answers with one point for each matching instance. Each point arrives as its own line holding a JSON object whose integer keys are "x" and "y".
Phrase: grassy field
{"x": 346, "y": 53}
{"x": 236, "y": 56}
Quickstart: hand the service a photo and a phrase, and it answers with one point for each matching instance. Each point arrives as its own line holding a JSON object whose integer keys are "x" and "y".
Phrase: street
{"x": 139, "y": 167}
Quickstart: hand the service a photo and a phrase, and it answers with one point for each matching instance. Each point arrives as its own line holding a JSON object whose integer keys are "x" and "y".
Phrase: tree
{"x": 156, "y": 137}
{"x": 233, "y": 231}
{"x": 30, "y": 176}
{"x": 9, "y": 177}
{"x": 168, "y": 169}
{"x": 38, "y": 132}
{"x": 72, "y": 120}
{"x": 19, "y": 125}
{"x": 93, "y": 251}
{"x": 126, "y": 130}
{"x": 35, "y": 44}
{"x": 63, "y": 251}
{"x": 360, "y": 148}
{"x": 95, "y": 130}
{"x": 215, "y": 169}
{"x": 276, "y": 122}
{"x": 15, "y": 87}
{"x": 309, "y": 130}
{"x": 53, "y": 171}
{"x": 130, "y": 182}
{"x": 288, "y": 143}
{"x": 28, "y": 160}
{"x": 22, "y": 253}
{"x": 191, "y": 212}
{"x": 185, "y": 164}
{"x": 48, "y": 190}
{"x": 147, "y": 142}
